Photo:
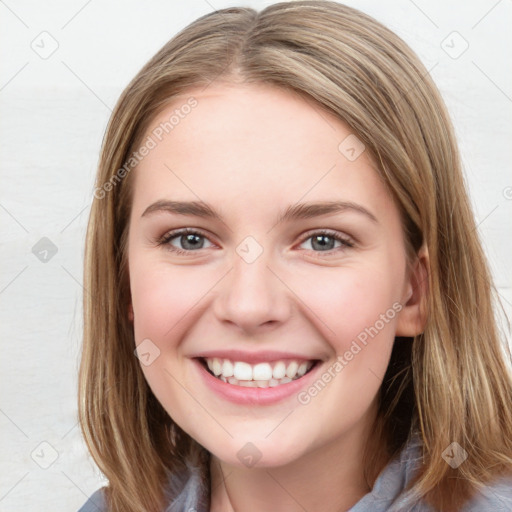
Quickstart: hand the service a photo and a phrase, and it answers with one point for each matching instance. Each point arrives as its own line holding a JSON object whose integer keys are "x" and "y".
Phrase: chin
{"x": 259, "y": 453}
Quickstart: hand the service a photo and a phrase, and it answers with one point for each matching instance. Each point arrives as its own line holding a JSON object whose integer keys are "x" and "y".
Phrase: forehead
{"x": 255, "y": 145}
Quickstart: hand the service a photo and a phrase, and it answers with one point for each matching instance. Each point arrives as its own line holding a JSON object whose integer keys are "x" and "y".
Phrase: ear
{"x": 413, "y": 317}
{"x": 130, "y": 313}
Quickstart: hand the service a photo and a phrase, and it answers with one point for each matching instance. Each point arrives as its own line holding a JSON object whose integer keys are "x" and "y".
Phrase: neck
{"x": 330, "y": 478}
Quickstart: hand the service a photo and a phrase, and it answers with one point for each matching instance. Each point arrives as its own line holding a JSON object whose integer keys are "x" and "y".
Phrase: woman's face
{"x": 263, "y": 287}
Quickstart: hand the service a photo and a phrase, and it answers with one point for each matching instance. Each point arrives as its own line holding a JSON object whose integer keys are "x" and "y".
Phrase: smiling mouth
{"x": 261, "y": 375}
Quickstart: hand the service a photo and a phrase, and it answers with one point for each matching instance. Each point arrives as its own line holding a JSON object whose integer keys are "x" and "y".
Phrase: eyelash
{"x": 166, "y": 239}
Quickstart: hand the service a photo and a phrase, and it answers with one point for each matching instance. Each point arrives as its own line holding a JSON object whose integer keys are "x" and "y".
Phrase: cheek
{"x": 349, "y": 301}
{"x": 162, "y": 297}
{"x": 357, "y": 310}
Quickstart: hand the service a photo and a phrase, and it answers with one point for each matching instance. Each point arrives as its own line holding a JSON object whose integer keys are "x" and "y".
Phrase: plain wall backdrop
{"x": 63, "y": 66}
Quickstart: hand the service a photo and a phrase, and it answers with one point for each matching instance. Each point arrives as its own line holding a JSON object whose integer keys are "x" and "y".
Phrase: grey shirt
{"x": 386, "y": 495}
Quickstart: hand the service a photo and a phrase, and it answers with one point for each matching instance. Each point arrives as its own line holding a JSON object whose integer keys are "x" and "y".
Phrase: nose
{"x": 252, "y": 297}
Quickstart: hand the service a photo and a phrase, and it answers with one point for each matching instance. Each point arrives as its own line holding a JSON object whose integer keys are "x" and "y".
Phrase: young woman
{"x": 287, "y": 304}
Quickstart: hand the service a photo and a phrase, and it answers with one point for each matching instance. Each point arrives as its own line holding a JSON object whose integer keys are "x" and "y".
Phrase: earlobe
{"x": 413, "y": 317}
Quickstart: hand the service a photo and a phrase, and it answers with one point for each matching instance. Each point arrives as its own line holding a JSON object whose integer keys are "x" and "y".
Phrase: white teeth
{"x": 279, "y": 370}
{"x": 292, "y": 368}
{"x": 227, "y": 368}
{"x": 242, "y": 371}
{"x": 302, "y": 369}
{"x": 247, "y": 383}
{"x": 216, "y": 366}
{"x": 261, "y": 375}
{"x": 262, "y": 371}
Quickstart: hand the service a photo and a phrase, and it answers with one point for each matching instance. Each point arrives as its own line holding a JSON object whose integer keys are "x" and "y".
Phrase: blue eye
{"x": 325, "y": 240}
{"x": 192, "y": 240}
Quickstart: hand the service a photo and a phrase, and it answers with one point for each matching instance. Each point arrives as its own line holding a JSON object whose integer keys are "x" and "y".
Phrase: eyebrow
{"x": 293, "y": 212}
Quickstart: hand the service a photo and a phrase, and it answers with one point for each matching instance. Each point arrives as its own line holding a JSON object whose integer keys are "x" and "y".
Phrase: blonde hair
{"x": 449, "y": 384}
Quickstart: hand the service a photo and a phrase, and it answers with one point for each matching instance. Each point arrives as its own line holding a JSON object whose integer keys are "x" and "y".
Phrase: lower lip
{"x": 255, "y": 396}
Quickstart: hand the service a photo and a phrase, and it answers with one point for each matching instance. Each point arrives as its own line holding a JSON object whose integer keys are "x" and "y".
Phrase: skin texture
{"x": 251, "y": 151}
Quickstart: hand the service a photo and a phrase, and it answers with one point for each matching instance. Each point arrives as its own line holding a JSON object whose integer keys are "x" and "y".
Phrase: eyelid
{"x": 329, "y": 232}
{"x": 181, "y": 231}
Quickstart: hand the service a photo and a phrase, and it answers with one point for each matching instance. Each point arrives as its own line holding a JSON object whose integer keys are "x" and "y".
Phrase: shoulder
{"x": 96, "y": 502}
{"x": 496, "y": 496}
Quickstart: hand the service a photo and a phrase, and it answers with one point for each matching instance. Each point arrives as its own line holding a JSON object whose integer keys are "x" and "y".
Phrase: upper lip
{"x": 253, "y": 357}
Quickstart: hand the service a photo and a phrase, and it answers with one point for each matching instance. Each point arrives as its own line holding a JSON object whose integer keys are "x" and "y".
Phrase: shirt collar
{"x": 192, "y": 487}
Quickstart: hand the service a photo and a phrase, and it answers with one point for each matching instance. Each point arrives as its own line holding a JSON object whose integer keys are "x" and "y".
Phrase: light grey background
{"x": 54, "y": 109}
